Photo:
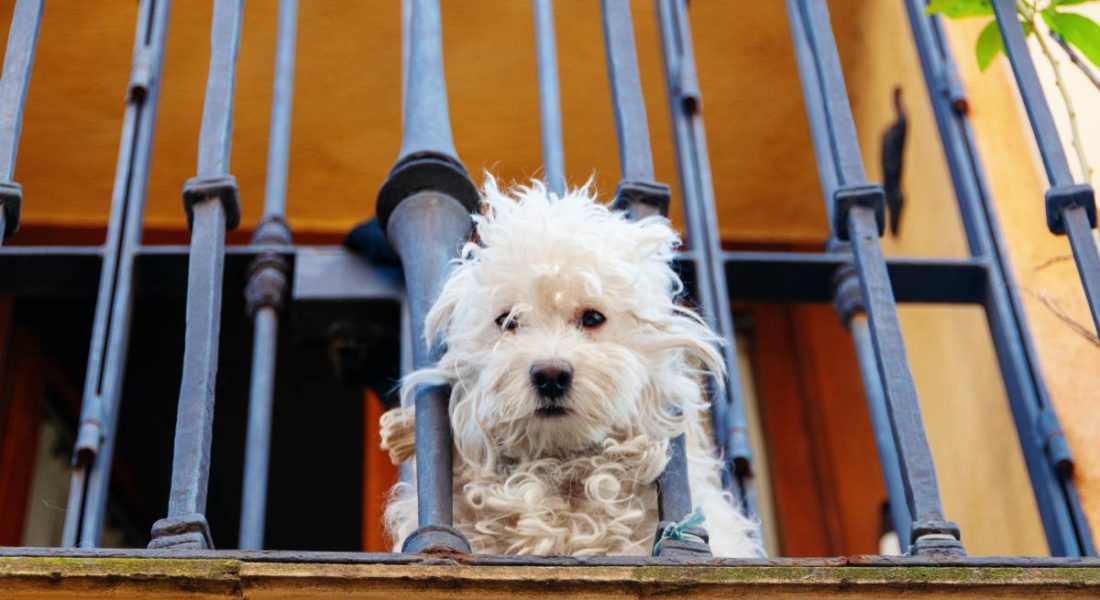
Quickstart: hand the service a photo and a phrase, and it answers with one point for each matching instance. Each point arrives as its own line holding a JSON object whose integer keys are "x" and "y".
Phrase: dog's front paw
{"x": 398, "y": 431}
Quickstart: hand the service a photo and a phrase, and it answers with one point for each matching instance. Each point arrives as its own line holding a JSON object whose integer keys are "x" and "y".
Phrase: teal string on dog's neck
{"x": 679, "y": 531}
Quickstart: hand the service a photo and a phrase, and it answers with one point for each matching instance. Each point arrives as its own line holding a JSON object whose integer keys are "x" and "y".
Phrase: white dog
{"x": 570, "y": 367}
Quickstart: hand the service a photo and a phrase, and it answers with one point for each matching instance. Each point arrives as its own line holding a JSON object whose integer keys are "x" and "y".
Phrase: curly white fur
{"x": 583, "y": 483}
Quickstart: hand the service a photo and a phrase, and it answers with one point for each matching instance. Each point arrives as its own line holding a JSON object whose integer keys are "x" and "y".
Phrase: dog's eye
{"x": 591, "y": 318}
{"x": 505, "y": 323}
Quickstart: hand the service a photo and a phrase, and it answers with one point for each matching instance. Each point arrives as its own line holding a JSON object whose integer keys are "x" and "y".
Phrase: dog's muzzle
{"x": 551, "y": 380}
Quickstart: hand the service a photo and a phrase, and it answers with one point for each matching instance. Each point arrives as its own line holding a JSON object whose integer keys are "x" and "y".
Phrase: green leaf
{"x": 1078, "y": 30}
{"x": 1054, "y": 3}
{"x": 990, "y": 43}
{"x": 956, "y": 9}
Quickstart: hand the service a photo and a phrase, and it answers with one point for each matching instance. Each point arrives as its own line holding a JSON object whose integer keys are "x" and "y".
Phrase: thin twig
{"x": 1064, "y": 317}
{"x": 1052, "y": 261}
{"x": 1076, "y": 58}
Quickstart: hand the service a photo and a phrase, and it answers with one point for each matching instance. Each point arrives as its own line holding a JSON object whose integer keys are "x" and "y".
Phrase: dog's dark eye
{"x": 590, "y": 319}
{"x": 505, "y": 323}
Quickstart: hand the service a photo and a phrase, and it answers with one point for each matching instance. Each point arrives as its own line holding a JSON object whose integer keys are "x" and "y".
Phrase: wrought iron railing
{"x": 424, "y": 209}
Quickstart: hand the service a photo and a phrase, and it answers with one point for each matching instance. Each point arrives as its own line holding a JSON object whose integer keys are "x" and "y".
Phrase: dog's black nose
{"x": 551, "y": 378}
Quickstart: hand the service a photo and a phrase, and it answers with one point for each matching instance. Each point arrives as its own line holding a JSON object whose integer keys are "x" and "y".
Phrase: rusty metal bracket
{"x": 222, "y": 188}
{"x": 1061, "y": 197}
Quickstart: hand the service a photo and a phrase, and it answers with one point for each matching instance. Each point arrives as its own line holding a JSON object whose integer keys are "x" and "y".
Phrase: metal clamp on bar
{"x": 868, "y": 195}
{"x": 1055, "y": 442}
{"x": 223, "y": 188}
{"x": 188, "y": 531}
{"x": 427, "y": 171}
{"x": 267, "y": 282}
{"x": 632, "y": 192}
{"x": 11, "y": 202}
{"x": 142, "y": 72}
{"x": 847, "y": 297}
{"x": 1062, "y": 197}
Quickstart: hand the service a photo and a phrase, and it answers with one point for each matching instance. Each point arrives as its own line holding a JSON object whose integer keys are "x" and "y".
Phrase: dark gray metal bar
{"x": 848, "y": 301}
{"x": 1070, "y": 207}
{"x": 266, "y": 290}
{"x": 553, "y": 152}
{"x": 1044, "y": 447}
{"x": 212, "y": 204}
{"x": 639, "y": 192}
{"x": 94, "y": 448}
{"x": 424, "y": 207}
{"x": 857, "y": 211}
{"x": 18, "y": 61}
{"x": 711, "y": 286}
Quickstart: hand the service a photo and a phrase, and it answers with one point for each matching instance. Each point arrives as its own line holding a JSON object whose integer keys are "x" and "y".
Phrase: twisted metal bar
{"x": 857, "y": 210}
{"x": 266, "y": 290}
{"x": 711, "y": 287}
{"x": 1070, "y": 207}
{"x": 553, "y": 154}
{"x": 1045, "y": 450}
{"x": 638, "y": 193}
{"x": 212, "y": 206}
{"x": 424, "y": 207}
{"x": 18, "y": 60}
{"x": 99, "y": 411}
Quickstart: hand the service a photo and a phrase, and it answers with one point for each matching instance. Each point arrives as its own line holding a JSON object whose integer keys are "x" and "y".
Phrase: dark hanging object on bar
{"x": 424, "y": 208}
{"x": 893, "y": 151}
{"x": 212, "y": 206}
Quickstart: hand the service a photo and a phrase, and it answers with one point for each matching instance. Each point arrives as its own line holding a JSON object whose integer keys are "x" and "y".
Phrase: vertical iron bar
{"x": 18, "y": 60}
{"x": 1045, "y": 451}
{"x": 212, "y": 205}
{"x": 850, "y": 307}
{"x": 424, "y": 207}
{"x": 642, "y": 196}
{"x": 553, "y": 154}
{"x": 693, "y": 162}
{"x": 857, "y": 213}
{"x": 94, "y": 448}
{"x": 1070, "y": 207}
{"x": 638, "y": 193}
{"x": 265, "y": 292}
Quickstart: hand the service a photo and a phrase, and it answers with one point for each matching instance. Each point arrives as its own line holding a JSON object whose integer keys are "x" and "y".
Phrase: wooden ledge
{"x": 87, "y": 578}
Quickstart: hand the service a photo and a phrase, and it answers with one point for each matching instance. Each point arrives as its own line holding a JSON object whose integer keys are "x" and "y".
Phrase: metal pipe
{"x": 1070, "y": 207}
{"x": 212, "y": 205}
{"x": 258, "y": 441}
{"x": 26, "y": 21}
{"x": 711, "y": 287}
{"x": 1050, "y": 464}
{"x": 857, "y": 215}
{"x": 424, "y": 207}
{"x": 266, "y": 289}
{"x": 94, "y": 448}
{"x": 553, "y": 153}
{"x": 638, "y": 192}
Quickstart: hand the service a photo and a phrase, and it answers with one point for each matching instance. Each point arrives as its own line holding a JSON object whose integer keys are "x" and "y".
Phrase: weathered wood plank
{"x": 88, "y": 578}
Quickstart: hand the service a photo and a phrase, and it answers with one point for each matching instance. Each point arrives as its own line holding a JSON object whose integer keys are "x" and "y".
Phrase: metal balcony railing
{"x": 424, "y": 209}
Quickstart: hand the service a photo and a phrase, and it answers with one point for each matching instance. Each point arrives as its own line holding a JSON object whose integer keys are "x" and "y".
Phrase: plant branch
{"x": 1076, "y": 59}
{"x": 1075, "y": 130}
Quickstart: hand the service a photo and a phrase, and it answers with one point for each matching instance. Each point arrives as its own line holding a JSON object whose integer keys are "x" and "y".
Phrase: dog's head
{"x": 561, "y": 329}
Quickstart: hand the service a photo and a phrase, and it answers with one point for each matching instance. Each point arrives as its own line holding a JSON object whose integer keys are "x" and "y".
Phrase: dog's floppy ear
{"x": 443, "y": 311}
